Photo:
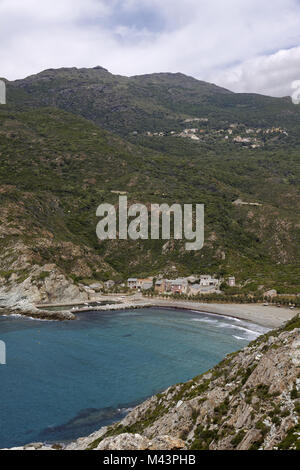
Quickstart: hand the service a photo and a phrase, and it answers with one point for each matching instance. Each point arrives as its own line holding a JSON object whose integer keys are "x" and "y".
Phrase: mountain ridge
{"x": 142, "y": 102}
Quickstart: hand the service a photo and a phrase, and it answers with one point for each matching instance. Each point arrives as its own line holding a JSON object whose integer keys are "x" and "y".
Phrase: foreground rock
{"x": 38, "y": 314}
{"x": 138, "y": 442}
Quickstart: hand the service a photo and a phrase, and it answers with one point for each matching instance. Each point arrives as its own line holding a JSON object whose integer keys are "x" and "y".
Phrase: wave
{"x": 26, "y": 317}
{"x": 217, "y": 315}
{"x": 205, "y": 320}
{"x": 13, "y": 315}
{"x": 250, "y": 330}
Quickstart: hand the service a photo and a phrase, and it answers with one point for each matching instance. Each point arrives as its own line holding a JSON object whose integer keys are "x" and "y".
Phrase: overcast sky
{"x": 243, "y": 45}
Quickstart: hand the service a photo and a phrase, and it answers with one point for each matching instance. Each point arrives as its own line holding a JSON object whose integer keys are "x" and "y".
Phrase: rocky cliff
{"x": 251, "y": 400}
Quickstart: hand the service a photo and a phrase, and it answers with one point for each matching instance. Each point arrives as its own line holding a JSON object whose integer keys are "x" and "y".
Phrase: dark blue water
{"x": 67, "y": 379}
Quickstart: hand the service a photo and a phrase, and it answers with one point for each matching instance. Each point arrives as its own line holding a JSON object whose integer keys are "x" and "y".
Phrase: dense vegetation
{"x": 58, "y": 165}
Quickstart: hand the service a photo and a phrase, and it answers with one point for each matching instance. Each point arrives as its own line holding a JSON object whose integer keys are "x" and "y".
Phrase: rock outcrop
{"x": 43, "y": 284}
{"x": 137, "y": 442}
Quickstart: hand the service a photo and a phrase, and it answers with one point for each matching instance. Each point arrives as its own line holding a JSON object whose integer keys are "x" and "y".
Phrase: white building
{"x": 208, "y": 281}
{"x": 132, "y": 282}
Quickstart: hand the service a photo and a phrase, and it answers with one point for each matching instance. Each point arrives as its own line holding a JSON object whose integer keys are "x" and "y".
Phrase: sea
{"x": 64, "y": 380}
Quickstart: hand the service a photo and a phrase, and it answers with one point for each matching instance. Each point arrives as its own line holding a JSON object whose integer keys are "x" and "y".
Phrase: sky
{"x": 242, "y": 45}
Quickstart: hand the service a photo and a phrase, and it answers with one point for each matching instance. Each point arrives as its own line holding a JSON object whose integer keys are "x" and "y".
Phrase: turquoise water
{"x": 66, "y": 379}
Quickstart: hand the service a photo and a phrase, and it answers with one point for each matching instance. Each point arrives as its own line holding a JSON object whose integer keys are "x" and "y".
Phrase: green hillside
{"x": 58, "y": 165}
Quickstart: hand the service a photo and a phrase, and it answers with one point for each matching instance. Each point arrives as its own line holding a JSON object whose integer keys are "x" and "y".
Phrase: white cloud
{"x": 245, "y": 45}
{"x": 274, "y": 74}
{"x": 296, "y": 93}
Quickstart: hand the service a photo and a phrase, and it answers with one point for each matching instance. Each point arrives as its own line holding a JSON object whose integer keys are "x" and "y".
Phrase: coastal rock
{"x": 35, "y": 446}
{"x": 83, "y": 443}
{"x": 39, "y": 314}
{"x": 137, "y": 442}
{"x": 295, "y": 354}
{"x": 44, "y": 284}
{"x": 125, "y": 442}
{"x": 166, "y": 443}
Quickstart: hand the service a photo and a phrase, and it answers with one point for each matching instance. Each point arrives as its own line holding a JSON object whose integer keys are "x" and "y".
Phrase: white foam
{"x": 205, "y": 320}
{"x": 13, "y": 315}
{"x": 251, "y": 330}
{"x": 18, "y": 315}
{"x": 217, "y": 315}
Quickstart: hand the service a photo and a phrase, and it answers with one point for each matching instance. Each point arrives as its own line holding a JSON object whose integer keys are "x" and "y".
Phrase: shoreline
{"x": 267, "y": 316}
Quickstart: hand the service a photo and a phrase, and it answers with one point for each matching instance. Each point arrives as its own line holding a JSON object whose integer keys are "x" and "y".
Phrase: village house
{"x": 208, "y": 281}
{"x": 231, "y": 281}
{"x": 160, "y": 286}
{"x": 179, "y": 286}
{"x": 144, "y": 284}
{"x": 195, "y": 289}
{"x": 140, "y": 284}
{"x": 168, "y": 285}
{"x": 190, "y": 131}
{"x": 132, "y": 282}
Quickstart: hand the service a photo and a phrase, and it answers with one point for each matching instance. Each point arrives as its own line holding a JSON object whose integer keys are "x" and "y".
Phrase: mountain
{"x": 71, "y": 139}
{"x": 116, "y": 103}
{"x": 147, "y": 102}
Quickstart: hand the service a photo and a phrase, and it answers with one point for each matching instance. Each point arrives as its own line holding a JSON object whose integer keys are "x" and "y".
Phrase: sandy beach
{"x": 270, "y": 317}
{"x": 267, "y": 316}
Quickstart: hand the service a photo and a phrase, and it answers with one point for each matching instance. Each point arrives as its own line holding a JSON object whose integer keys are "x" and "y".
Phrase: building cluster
{"x": 140, "y": 284}
{"x": 192, "y": 285}
{"x": 236, "y": 133}
{"x": 195, "y": 120}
